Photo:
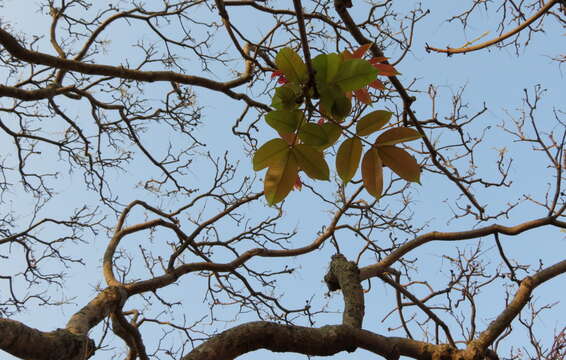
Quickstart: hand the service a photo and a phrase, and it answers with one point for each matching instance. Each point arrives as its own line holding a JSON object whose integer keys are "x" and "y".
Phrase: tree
{"x": 128, "y": 133}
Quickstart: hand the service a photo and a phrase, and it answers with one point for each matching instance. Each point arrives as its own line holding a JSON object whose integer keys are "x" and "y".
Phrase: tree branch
{"x": 528, "y": 22}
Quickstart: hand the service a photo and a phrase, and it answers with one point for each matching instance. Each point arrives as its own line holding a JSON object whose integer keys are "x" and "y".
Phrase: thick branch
{"x": 96, "y": 310}
{"x": 324, "y": 341}
{"x": 31, "y": 95}
{"x": 345, "y": 275}
{"x": 31, "y": 344}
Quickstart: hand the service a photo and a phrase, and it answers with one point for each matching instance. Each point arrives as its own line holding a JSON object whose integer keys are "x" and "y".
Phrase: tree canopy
{"x": 202, "y": 179}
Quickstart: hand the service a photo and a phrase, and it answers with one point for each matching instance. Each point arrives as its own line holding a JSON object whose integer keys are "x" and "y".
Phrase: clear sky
{"x": 494, "y": 77}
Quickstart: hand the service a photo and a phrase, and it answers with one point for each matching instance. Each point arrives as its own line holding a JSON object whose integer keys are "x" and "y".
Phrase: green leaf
{"x": 397, "y": 135}
{"x": 280, "y": 178}
{"x": 286, "y": 97}
{"x": 312, "y": 134}
{"x": 333, "y": 132}
{"x": 291, "y": 64}
{"x": 348, "y": 158}
{"x": 372, "y": 122}
{"x": 355, "y": 74}
{"x": 400, "y": 162}
{"x": 284, "y": 121}
{"x": 269, "y": 153}
{"x": 372, "y": 173}
{"x": 326, "y": 67}
{"x": 312, "y": 162}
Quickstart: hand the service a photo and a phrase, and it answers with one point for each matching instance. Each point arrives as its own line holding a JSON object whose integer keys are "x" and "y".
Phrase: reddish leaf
{"x": 376, "y": 84}
{"x": 346, "y": 55}
{"x": 298, "y": 184}
{"x": 360, "y": 52}
{"x": 379, "y": 59}
{"x": 281, "y": 79}
{"x": 363, "y": 95}
{"x": 386, "y": 69}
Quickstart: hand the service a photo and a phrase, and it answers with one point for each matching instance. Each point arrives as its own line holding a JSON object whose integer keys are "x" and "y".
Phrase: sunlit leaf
{"x": 270, "y": 152}
{"x": 397, "y": 135}
{"x": 400, "y": 162}
{"x": 284, "y": 121}
{"x": 291, "y": 64}
{"x": 372, "y": 173}
{"x": 363, "y": 95}
{"x": 280, "y": 178}
{"x": 312, "y": 162}
{"x": 372, "y": 122}
{"x": 355, "y": 74}
{"x": 326, "y": 67}
{"x": 312, "y": 134}
{"x": 348, "y": 158}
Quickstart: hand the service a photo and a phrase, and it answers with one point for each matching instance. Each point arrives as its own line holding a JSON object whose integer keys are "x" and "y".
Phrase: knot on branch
{"x": 345, "y": 275}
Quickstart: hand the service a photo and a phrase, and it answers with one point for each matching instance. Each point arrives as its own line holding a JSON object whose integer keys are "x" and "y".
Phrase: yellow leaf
{"x": 280, "y": 178}
{"x": 348, "y": 158}
{"x": 397, "y": 135}
{"x": 372, "y": 173}
{"x": 400, "y": 162}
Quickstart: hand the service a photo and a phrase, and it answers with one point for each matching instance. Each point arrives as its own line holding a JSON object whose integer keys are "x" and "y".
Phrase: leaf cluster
{"x": 308, "y": 115}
